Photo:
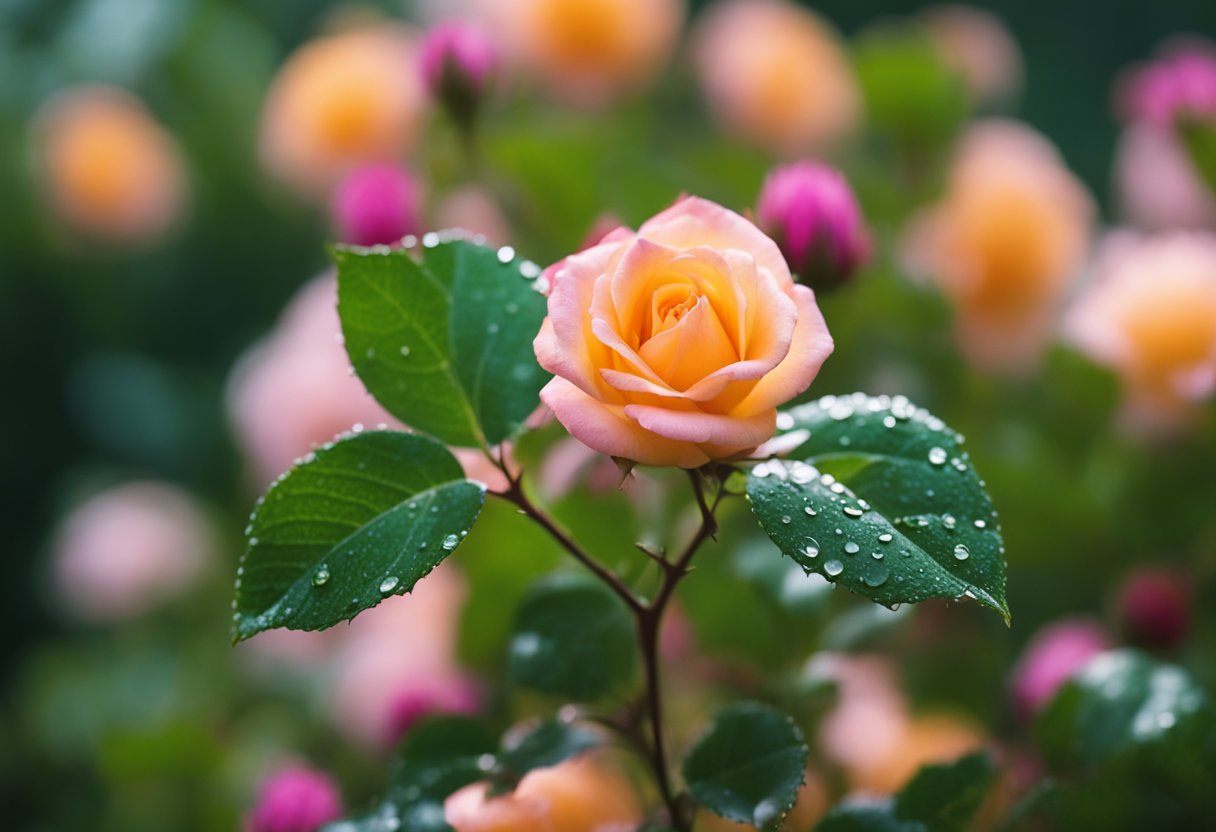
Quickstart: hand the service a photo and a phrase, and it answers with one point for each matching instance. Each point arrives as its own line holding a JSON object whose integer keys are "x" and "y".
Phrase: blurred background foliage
{"x": 117, "y": 357}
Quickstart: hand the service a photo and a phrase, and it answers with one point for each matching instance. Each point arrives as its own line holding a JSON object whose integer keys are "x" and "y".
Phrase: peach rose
{"x": 576, "y": 796}
{"x": 1009, "y": 236}
{"x": 1150, "y": 315}
{"x": 675, "y": 344}
{"x": 1158, "y": 186}
{"x": 109, "y": 169}
{"x": 342, "y": 101}
{"x": 775, "y": 75}
{"x": 588, "y": 51}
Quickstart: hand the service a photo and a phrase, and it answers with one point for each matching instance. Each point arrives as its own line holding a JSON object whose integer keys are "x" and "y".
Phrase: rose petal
{"x": 811, "y": 345}
{"x": 681, "y": 355}
{"x": 696, "y": 426}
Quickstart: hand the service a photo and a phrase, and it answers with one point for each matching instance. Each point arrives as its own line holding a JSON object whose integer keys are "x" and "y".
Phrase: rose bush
{"x": 675, "y": 344}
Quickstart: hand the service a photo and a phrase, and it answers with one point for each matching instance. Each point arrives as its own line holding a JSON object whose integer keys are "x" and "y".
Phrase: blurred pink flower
{"x": 295, "y": 800}
{"x": 1180, "y": 83}
{"x": 871, "y": 732}
{"x": 474, "y": 209}
{"x": 130, "y": 549}
{"x": 1157, "y": 184}
{"x": 579, "y": 795}
{"x": 398, "y": 655}
{"x": 1153, "y": 607}
{"x": 109, "y": 170}
{"x": 775, "y": 74}
{"x": 1056, "y": 652}
{"x": 376, "y": 204}
{"x": 1149, "y": 314}
{"x": 342, "y": 101}
{"x": 458, "y": 60}
{"x": 588, "y": 52}
{"x": 1004, "y": 243}
{"x": 810, "y": 211}
{"x": 977, "y": 44}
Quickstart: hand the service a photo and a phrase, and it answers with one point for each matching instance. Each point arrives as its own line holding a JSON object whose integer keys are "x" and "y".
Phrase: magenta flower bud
{"x": 1054, "y": 654}
{"x": 296, "y": 800}
{"x": 1179, "y": 85}
{"x": 459, "y": 65}
{"x": 376, "y": 204}
{"x": 810, "y": 211}
{"x": 1153, "y": 607}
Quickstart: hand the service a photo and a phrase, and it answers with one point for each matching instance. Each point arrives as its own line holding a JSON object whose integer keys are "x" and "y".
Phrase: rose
{"x": 674, "y": 345}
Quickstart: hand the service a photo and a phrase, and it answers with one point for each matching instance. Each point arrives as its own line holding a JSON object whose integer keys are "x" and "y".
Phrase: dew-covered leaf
{"x": 749, "y": 765}
{"x": 360, "y": 520}
{"x": 879, "y": 496}
{"x": 444, "y": 341}
{"x": 573, "y": 637}
{"x": 547, "y": 744}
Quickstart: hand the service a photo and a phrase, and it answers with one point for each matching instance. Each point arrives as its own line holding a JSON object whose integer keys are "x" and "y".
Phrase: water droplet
{"x": 812, "y": 548}
{"x": 512, "y": 308}
{"x": 485, "y": 762}
{"x": 253, "y": 541}
{"x": 961, "y": 552}
{"x": 492, "y": 329}
{"x": 876, "y": 578}
{"x": 371, "y": 352}
{"x": 833, "y": 568}
{"x": 430, "y": 239}
{"x": 321, "y": 576}
{"x": 876, "y": 555}
{"x": 845, "y": 441}
{"x": 937, "y": 456}
{"x": 888, "y": 421}
{"x": 810, "y": 511}
{"x": 852, "y": 548}
{"x": 506, "y": 254}
{"x": 449, "y": 542}
{"x": 884, "y": 538}
{"x": 980, "y": 524}
{"x": 948, "y": 521}
{"x": 388, "y": 584}
{"x": 853, "y": 512}
{"x": 405, "y": 350}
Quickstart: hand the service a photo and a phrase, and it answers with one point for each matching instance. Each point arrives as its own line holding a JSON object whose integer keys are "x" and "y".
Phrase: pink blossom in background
{"x": 1005, "y": 242}
{"x": 1181, "y": 83}
{"x": 810, "y": 211}
{"x": 1054, "y": 655}
{"x": 1157, "y": 184}
{"x": 1153, "y": 607}
{"x": 474, "y": 209}
{"x": 129, "y": 549}
{"x": 458, "y": 59}
{"x": 108, "y": 168}
{"x": 400, "y": 654}
{"x": 1149, "y": 314}
{"x": 376, "y": 204}
{"x": 587, "y": 52}
{"x": 295, "y": 799}
{"x": 341, "y": 101}
{"x": 979, "y": 46}
{"x": 775, "y": 74}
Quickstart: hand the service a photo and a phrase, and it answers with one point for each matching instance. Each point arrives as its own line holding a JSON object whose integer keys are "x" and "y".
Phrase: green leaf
{"x": 940, "y": 798}
{"x": 440, "y": 756}
{"x": 360, "y": 520}
{"x": 573, "y": 637}
{"x": 946, "y": 796}
{"x": 881, "y": 498}
{"x": 549, "y": 743}
{"x": 444, "y": 343}
{"x": 1123, "y": 704}
{"x": 1199, "y": 139}
{"x": 749, "y": 766}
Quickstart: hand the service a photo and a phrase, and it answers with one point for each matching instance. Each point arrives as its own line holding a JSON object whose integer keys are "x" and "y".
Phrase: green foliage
{"x": 573, "y": 637}
{"x": 362, "y": 519}
{"x": 941, "y": 798}
{"x": 547, "y": 744}
{"x": 880, "y": 497}
{"x": 749, "y": 764}
{"x": 444, "y": 342}
{"x": 1199, "y": 139}
{"x": 1124, "y": 705}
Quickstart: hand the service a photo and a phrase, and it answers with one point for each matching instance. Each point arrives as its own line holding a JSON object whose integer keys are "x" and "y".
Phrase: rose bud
{"x": 376, "y": 204}
{"x": 459, "y": 66}
{"x": 1054, "y": 654}
{"x": 1153, "y": 607}
{"x": 810, "y": 211}
{"x": 295, "y": 800}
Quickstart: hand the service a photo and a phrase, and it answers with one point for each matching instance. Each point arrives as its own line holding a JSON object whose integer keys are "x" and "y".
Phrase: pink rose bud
{"x": 1154, "y": 608}
{"x": 376, "y": 204}
{"x": 1180, "y": 84}
{"x": 810, "y": 210}
{"x": 296, "y": 800}
{"x": 1052, "y": 657}
{"x": 459, "y": 65}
